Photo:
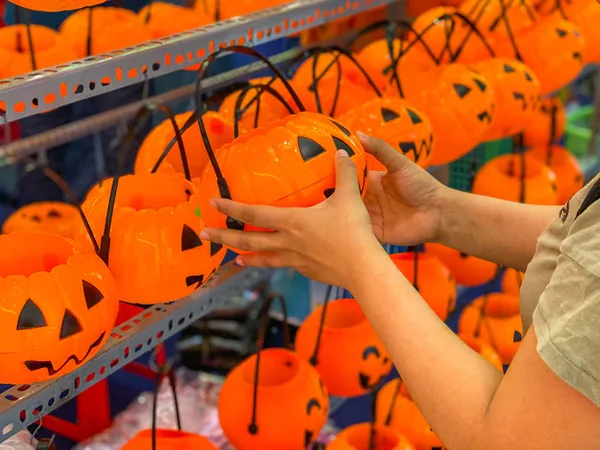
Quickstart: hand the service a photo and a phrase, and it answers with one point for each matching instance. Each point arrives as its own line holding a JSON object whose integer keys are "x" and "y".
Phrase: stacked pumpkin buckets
{"x": 434, "y": 88}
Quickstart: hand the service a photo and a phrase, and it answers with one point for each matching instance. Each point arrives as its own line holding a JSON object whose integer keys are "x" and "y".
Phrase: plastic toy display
{"x": 58, "y": 218}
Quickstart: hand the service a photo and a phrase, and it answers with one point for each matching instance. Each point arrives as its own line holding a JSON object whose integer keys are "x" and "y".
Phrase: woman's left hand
{"x": 328, "y": 242}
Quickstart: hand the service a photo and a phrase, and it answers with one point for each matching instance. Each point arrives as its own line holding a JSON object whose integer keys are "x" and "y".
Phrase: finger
{"x": 346, "y": 178}
{"x": 265, "y": 259}
{"x": 261, "y": 216}
{"x": 384, "y": 153}
{"x": 250, "y": 241}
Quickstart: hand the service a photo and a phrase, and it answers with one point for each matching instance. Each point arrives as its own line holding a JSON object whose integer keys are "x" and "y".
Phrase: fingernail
{"x": 213, "y": 203}
{"x": 239, "y": 261}
{"x": 341, "y": 154}
{"x": 362, "y": 136}
{"x": 204, "y": 235}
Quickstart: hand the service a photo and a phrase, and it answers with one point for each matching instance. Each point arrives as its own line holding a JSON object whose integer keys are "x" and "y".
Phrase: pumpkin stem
{"x": 201, "y": 106}
{"x": 260, "y": 343}
{"x": 239, "y": 111}
{"x": 70, "y": 195}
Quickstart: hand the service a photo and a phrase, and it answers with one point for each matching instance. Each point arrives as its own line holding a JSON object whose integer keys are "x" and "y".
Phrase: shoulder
{"x": 582, "y": 243}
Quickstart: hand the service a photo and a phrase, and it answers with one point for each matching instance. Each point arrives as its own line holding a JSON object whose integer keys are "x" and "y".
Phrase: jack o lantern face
{"x": 50, "y": 217}
{"x": 517, "y": 93}
{"x": 460, "y": 106}
{"x": 288, "y": 163}
{"x": 156, "y": 222}
{"x": 554, "y": 49}
{"x": 396, "y": 122}
{"x": 57, "y": 306}
{"x": 351, "y": 359}
{"x": 375, "y": 367}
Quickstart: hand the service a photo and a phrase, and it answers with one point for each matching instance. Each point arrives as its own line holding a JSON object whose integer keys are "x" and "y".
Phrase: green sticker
{"x": 197, "y": 212}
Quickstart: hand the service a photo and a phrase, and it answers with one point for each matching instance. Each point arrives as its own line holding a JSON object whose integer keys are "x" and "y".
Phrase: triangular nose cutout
{"x": 70, "y": 325}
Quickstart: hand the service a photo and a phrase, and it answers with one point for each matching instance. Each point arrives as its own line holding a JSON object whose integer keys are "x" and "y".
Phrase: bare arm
{"x": 469, "y": 403}
{"x": 496, "y": 230}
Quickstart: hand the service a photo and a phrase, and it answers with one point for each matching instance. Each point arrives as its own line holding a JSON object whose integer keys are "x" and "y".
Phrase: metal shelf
{"x": 23, "y": 405}
{"x": 47, "y": 89}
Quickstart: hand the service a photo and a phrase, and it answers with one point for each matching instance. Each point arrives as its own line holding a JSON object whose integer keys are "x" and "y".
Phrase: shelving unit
{"x": 50, "y": 88}
{"x": 47, "y": 89}
{"x": 23, "y": 405}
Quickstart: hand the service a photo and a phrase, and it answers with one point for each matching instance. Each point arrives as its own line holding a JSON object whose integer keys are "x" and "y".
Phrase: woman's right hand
{"x": 405, "y": 202}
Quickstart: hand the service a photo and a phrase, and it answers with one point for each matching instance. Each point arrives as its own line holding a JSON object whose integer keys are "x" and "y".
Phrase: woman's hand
{"x": 329, "y": 242}
{"x": 405, "y": 202}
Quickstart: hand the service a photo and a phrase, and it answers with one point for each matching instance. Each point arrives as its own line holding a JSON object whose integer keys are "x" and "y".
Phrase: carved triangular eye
{"x": 561, "y": 33}
{"x": 31, "y": 317}
{"x": 528, "y": 76}
{"x": 215, "y": 248}
{"x": 70, "y": 325}
{"x": 328, "y": 192}
{"x": 389, "y": 115}
{"x": 508, "y": 69}
{"x": 461, "y": 90}
{"x": 309, "y": 149}
{"x": 36, "y": 218}
{"x": 341, "y": 127}
{"x": 341, "y": 145}
{"x": 189, "y": 239}
{"x": 480, "y": 84}
{"x": 54, "y": 213}
{"x": 517, "y": 336}
{"x": 92, "y": 294}
{"x": 414, "y": 117}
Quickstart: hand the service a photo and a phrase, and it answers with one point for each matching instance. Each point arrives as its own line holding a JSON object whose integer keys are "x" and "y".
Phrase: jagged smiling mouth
{"x": 38, "y": 365}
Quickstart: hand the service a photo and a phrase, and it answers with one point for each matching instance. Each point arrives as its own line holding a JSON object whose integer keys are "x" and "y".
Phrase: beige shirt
{"x": 561, "y": 292}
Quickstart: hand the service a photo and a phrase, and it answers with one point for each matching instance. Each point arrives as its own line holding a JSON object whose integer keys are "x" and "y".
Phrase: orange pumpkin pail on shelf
{"x": 59, "y": 305}
{"x": 366, "y": 436}
{"x": 344, "y": 348}
{"x": 274, "y": 398}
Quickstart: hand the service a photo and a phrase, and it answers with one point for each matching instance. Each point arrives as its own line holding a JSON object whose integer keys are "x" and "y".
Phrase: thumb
{"x": 383, "y": 152}
{"x": 346, "y": 178}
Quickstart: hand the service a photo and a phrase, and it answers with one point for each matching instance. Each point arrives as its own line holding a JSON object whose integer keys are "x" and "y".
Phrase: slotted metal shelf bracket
{"x": 23, "y": 405}
{"x": 47, "y": 89}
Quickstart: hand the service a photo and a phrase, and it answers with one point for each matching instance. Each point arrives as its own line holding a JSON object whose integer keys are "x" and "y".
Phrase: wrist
{"x": 367, "y": 256}
{"x": 446, "y": 207}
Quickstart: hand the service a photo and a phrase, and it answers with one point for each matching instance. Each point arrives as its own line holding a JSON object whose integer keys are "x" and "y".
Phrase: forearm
{"x": 451, "y": 384}
{"x": 496, "y": 230}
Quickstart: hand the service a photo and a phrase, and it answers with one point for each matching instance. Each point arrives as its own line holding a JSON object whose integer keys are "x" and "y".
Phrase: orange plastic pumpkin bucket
{"x": 272, "y": 385}
{"x": 59, "y": 305}
{"x": 364, "y": 436}
{"x": 163, "y": 439}
{"x": 547, "y": 124}
{"x": 344, "y": 348}
{"x": 496, "y": 319}
{"x": 468, "y": 270}
{"x": 501, "y": 178}
{"x": 396, "y": 410}
{"x": 431, "y": 278}
{"x": 569, "y": 175}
